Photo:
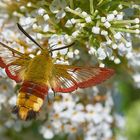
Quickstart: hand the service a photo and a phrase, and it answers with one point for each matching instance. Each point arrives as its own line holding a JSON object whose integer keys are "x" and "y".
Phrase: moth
{"x": 38, "y": 74}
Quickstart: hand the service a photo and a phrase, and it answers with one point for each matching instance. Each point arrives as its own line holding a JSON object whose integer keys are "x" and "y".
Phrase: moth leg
{"x": 48, "y": 99}
{"x": 54, "y": 93}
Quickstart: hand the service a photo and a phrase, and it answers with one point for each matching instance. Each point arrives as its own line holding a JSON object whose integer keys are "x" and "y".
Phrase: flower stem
{"x": 91, "y": 6}
{"x": 124, "y": 30}
{"x": 71, "y": 4}
{"x": 68, "y": 9}
{"x": 100, "y": 2}
{"x": 123, "y": 21}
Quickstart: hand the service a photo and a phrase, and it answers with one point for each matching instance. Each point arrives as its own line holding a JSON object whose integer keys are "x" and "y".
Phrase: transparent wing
{"x": 69, "y": 78}
{"x": 12, "y": 61}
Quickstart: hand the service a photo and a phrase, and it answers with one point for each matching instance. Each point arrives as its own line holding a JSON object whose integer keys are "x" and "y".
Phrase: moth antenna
{"x": 26, "y": 34}
{"x": 62, "y": 47}
{"x": 52, "y": 46}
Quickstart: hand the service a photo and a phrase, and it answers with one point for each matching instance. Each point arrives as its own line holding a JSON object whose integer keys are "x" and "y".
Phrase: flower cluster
{"x": 104, "y": 33}
{"x": 69, "y": 115}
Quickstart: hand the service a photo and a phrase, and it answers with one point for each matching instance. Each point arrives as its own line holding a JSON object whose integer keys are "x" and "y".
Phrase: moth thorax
{"x": 27, "y": 106}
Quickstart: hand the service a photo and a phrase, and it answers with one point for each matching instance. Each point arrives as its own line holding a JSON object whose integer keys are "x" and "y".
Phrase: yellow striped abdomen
{"x": 30, "y": 100}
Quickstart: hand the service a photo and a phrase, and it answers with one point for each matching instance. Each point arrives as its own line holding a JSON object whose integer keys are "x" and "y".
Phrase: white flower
{"x": 76, "y": 52}
{"x": 114, "y": 46}
{"x": 29, "y": 4}
{"x": 68, "y": 24}
{"x": 56, "y": 41}
{"x": 39, "y": 36}
{"x": 57, "y": 7}
{"x": 27, "y": 21}
{"x": 115, "y": 12}
{"x": 75, "y": 34}
{"x": 22, "y": 8}
{"x": 46, "y": 28}
{"x": 101, "y": 53}
{"x": 88, "y": 19}
{"x": 2, "y": 98}
{"x": 78, "y": 117}
{"x": 105, "y": 33}
{"x": 97, "y": 118}
{"x": 102, "y": 65}
{"x": 110, "y": 17}
{"x": 41, "y": 11}
{"x": 137, "y": 20}
{"x": 117, "y": 61}
{"x": 108, "y": 51}
{"x": 79, "y": 26}
{"x": 79, "y": 107}
{"x": 96, "y": 30}
{"x": 92, "y": 50}
{"x": 103, "y": 19}
{"x": 68, "y": 39}
{"x": 46, "y": 17}
{"x": 123, "y": 49}
{"x": 107, "y": 24}
{"x": 12, "y": 100}
{"x": 118, "y": 35}
{"x": 109, "y": 41}
{"x": 137, "y": 31}
{"x": 47, "y": 133}
{"x": 70, "y": 54}
{"x": 91, "y": 138}
{"x": 136, "y": 78}
{"x": 84, "y": 14}
{"x": 89, "y": 107}
{"x": 35, "y": 26}
{"x": 73, "y": 21}
{"x": 128, "y": 44}
{"x": 119, "y": 17}
{"x": 98, "y": 108}
{"x": 112, "y": 58}
{"x": 120, "y": 6}
{"x": 79, "y": 10}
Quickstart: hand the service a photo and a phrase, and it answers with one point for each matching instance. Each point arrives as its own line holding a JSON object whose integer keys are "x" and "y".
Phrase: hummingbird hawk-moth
{"x": 38, "y": 74}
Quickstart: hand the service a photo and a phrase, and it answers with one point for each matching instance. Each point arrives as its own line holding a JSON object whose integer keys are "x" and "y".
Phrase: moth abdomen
{"x": 30, "y": 100}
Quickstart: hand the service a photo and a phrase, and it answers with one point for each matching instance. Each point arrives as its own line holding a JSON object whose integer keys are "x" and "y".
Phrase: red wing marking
{"x": 69, "y": 78}
{"x": 2, "y": 64}
{"x": 13, "y": 73}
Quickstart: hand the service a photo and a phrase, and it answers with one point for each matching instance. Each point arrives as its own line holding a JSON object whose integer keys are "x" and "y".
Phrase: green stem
{"x": 123, "y": 21}
{"x": 91, "y": 6}
{"x": 124, "y": 30}
{"x": 71, "y": 4}
{"x": 100, "y": 2}
{"x": 68, "y": 9}
{"x": 122, "y": 38}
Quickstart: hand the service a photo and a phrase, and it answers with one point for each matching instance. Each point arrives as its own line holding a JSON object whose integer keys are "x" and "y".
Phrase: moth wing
{"x": 69, "y": 78}
{"x": 13, "y": 62}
